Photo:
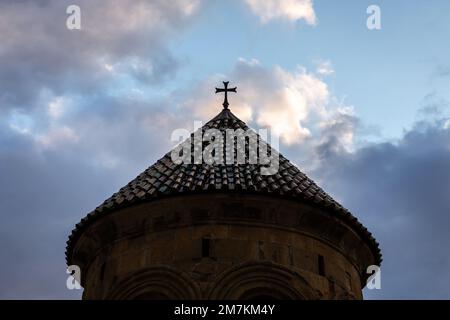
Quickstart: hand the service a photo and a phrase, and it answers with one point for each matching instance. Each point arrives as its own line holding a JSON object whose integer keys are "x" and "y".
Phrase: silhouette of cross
{"x": 226, "y": 90}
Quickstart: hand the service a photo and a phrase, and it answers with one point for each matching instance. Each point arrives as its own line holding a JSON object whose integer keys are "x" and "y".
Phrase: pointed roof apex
{"x": 225, "y": 114}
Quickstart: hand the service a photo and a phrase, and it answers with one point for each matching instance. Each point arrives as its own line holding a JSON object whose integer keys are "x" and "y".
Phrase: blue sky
{"x": 384, "y": 74}
{"x": 364, "y": 113}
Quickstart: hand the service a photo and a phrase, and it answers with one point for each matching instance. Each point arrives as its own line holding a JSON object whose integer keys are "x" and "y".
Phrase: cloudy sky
{"x": 364, "y": 112}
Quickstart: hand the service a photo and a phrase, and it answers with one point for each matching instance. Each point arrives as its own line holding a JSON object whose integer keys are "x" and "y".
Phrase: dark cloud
{"x": 41, "y": 196}
{"x": 45, "y": 189}
{"x": 39, "y": 54}
{"x": 331, "y": 142}
{"x": 400, "y": 191}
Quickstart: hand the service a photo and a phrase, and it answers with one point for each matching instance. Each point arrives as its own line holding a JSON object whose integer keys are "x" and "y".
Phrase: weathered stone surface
{"x": 277, "y": 254}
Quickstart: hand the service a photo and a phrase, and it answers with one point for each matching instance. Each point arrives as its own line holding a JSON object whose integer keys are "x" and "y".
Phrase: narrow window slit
{"x": 321, "y": 264}
{"x": 206, "y": 244}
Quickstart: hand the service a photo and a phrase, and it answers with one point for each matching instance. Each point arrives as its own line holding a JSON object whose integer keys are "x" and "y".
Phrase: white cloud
{"x": 117, "y": 37}
{"x": 56, "y": 137}
{"x": 288, "y": 108}
{"x": 291, "y": 10}
{"x": 295, "y": 104}
{"x": 324, "y": 68}
{"x": 446, "y": 124}
{"x": 20, "y": 123}
{"x": 338, "y": 131}
{"x": 56, "y": 107}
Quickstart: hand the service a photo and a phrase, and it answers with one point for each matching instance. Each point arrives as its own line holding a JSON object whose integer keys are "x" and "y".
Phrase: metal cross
{"x": 226, "y": 90}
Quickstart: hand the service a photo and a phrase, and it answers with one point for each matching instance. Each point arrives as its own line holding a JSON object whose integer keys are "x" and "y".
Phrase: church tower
{"x": 208, "y": 231}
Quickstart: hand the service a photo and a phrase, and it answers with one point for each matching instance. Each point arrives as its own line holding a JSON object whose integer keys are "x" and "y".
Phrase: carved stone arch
{"x": 261, "y": 280}
{"x": 156, "y": 283}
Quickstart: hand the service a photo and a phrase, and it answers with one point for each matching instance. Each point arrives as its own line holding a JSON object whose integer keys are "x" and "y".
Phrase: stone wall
{"x": 221, "y": 246}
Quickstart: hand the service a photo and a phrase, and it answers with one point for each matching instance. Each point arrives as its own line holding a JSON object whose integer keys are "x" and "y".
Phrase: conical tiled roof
{"x": 166, "y": 178}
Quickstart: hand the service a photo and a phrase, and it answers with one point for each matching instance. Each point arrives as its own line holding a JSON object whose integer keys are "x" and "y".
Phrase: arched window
{"x": 156, "y": 283}
{"x": 257, "y": 280}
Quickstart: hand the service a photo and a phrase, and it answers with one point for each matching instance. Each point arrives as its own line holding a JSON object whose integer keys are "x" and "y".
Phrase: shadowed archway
{"x": 261, "y": 281}
{"x": 156, "y": 283}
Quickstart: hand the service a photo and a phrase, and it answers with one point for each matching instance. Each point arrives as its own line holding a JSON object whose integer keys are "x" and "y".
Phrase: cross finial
{"x": 226, "y": 90}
